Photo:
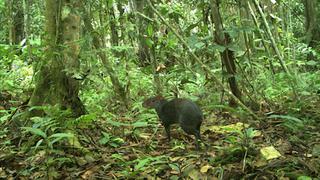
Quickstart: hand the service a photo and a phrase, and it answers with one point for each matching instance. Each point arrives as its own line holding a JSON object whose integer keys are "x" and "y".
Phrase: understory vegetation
{"x": 72, "y": 88}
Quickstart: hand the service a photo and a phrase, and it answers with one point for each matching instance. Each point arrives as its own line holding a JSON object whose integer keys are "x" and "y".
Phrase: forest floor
{"x": 263, "y": 149}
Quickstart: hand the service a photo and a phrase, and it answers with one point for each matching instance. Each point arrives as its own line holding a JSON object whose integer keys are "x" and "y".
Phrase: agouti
{"x": 182, "y": 111}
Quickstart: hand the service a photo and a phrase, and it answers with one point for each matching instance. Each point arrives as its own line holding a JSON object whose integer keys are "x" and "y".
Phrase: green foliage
{"x": 108, "y": 139}
{"x": 49, "y": 129}
{"x": 304, "y": 178}
{"x": 127, "y": 141}
{"x": 15, "y": 75}
{"x": 2, "y": 4}
{"x": 292, "y": 123}
{"x": 82, "y": 121}
{"x": 50, "y": 140}
{"x": 48, "y": 136}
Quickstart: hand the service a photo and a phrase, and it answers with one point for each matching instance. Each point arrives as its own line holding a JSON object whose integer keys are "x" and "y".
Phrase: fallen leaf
{"x": 269, "y": 153}
{"x": 205, "y": 168}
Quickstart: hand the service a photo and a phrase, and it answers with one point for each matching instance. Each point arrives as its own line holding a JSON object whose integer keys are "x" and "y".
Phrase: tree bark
{"x": 143, "y": 49}
{"x": 227, "y": 56}
{"x": 98, "y": 44}
{"x": 54, "y": 83}
{"x": 312, "y": 25}
{"x": 16, "y": 22}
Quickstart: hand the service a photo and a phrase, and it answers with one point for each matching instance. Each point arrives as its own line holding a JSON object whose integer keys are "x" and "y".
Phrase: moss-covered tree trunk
{"x": 97, "y": 41}
{"x": 54, "y": 82}
{"x": 312, "y": 25}
{"x": 144, "y": 52}
{"x": 16, "y": 21}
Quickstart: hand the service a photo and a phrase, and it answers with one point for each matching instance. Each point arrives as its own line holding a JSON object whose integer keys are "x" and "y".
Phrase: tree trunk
{"x": 54, "y": 83}
{"x": 143, "y": 49}
{"x": 26, "y": 9}
{"x": 227, "y": 55}
{"x": 312, "y": 25}
{"x": 245, "y": 41}
{"x": 16, "y": 22}
{"x": 113, "y": 25}
{"x": 98, "y": 44}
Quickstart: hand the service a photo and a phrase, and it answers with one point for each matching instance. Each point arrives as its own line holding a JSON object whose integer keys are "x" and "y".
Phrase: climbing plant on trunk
{"x": 55, "y": 84}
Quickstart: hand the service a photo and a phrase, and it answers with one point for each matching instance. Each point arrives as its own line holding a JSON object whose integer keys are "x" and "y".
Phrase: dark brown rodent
{"x": 182, "y": 111}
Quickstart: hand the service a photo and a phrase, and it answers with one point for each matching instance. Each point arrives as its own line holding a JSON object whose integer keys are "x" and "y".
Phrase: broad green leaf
{"x": 104, "y": 140}
{"x": 2, "y": 3}
{"x": 118, "y": 140}
{"x": 58, "y": 136}
{"x": 217, "y": 47}
{"x": 149, "y": 42}
{"x": 174, "y": 167}
{"x": 291, "y": 118}
{"x": 38, "y": 144}
{"x": 304, "y": 178}
{"x": 311, "y": 63}
{"x": 252, "y": 133}
{"x": 142, "y": 163}
{"x": 61, "y": 135}
{"x": 116, "y": 123}
{"x": 117, "y": 157}
{"x": 4, "y": 118}
{"x": 140, "y": 124}
{"x": 150, "y": 30}
{"x": 199, "y": 45}
{"x": 35, "y": 131}
{"x": 110, "y": 3}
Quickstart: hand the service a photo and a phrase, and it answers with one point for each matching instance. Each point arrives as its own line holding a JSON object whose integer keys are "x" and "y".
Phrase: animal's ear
{"x": 159, "y": 97}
